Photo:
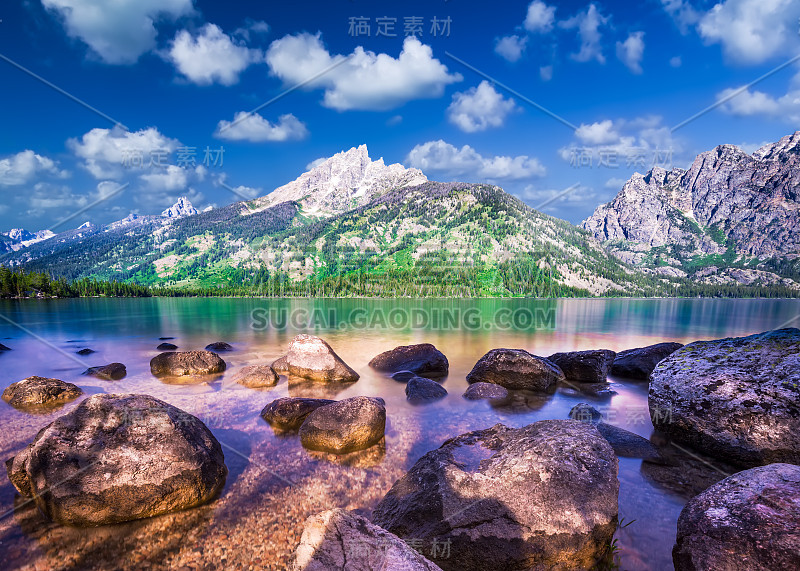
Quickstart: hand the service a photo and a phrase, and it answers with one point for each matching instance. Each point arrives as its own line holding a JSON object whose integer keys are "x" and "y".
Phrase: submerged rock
{"x": 423, "y": 359}
{"x": 626, "y": 444}
{"x": 584, "y": 366}
{"x": 256, "y": 376}
{"x": 737, "y": 399}
{"x": 336, "y": 540}
{"x": 420, "y": 390}
{"x": 35, "y": 392}
{"x": 750, "y": 520}
{"x": 4, "y": 348}
{"x": 639, "y": 363}
{"x": 288, "y": 413}
{"x": 403, "y": 376}
{"x": 85, "y": 351}
{"x": 312, "y": 358}
{"x": 117, "y": 458}
{"x": 489, "y": 391}
{"x": 515, "y": 369}
{"x": 539, "y": 497}
{"x": 111, "y": 372}
{"x": 167, "y": 347}
{"x": 219, "y": 347}
{"x": 345, "y": 426}
{"x": 185, "y": 363}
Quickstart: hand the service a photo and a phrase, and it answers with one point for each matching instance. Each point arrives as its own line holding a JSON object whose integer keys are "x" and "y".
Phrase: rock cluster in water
{"x": 312, "y": 358}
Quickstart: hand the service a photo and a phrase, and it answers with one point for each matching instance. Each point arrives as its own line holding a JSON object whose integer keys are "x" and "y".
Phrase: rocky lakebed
{"x": 111, "y": 477}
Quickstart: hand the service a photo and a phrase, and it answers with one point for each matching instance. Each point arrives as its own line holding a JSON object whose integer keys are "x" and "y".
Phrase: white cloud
{"x": 23, "y": 167}
{"x": 479, "y": 108}
{"x": 120, "y": 31}
{"x": 367, "y": 81}
{"x": 510, "y": 48}
{"x": 394, "y": 120}
{"x": 242, "y": 191}
{"x": 675, "y": 61}
{"x": 442, "y": 157}
{"x": 753, "y": 31}
{"x": 631, "y": 51}
{"x": 546, "y": 72}
{"x": 315, "y": 163}
{"x": 210, "y": 56}
{"x": 46, "y": 196}
{"x": 588, "y": 24}
{"x": 540, "y": 17}
{"x": 757, "y": 103}
{"x": 682, "y": 12}
{"x": 252, "y": 27}
{"x": 615, "y": 183}
{"x": 256, "y": 129}
{"x": 548, "y": 199}
{"x": 171, "y": 179}
{"x": 106, "y": 153}
{"x": 599, "y": 133}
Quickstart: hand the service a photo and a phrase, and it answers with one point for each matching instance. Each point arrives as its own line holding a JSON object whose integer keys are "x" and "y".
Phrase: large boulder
{"x": 539, "y": 497}
{"x": 345, "y": 426}
{"x": 488, "y": 391}
{"x": 750, "y": 520}
{"x": 421, "y": 390}
{"x": 312, "y": 358}
{"x": 336, "y": 540}
{"x": 256, "y": 376}
{"x": 117, "y": 458}
{"x": 288, "y": 413}
{"x": 110, "y": 372}
{"x": 35, "y": 392}
{"x": 515, "y": 369}
{"x": 737, "y": 399}
{"x": 639, "y": 363}
{"x": 584, "y": 366}
{"x": 185, "y": 363}
{"x": 422, "y": 359}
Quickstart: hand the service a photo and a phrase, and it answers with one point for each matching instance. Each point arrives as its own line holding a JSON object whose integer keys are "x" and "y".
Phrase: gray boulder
{"x": 312, "y": 358}
{"x": 167, "y": 347}
{"x": 336, "y": 540}
{"x": 256, "y": 376}
{"x": 423, "y": 359}
{"x": 489, "y": 391}
{"x": 185, "y": 363}
{"x": 219, "y": 347}
{"x": 35, "y": 392}
{"x": 110, "y": 372}
{"x": 543, "y": 496}
{"x": 117, "y": 458}
{"x": 420, "y": 390}
{"x": 515, "y": 369}
{"x": 584, "y": 366}
{"x": 345, "y": 426}
{"x": 288, "y": 413}
{"x": 639, "y": 363}
{"x": 750, "y": 520}
{"x": 737, "y": 399}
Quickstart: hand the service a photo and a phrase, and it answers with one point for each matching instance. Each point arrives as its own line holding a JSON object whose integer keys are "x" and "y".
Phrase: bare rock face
{"x": 184, "y": 363}
{"x": 345, "y": 426}
{"x": 289, "y": 413}
{"x": 110, "y": 372}
{"x": 39, "y": 392}
{"x": 256, "y": 377}
{"x": 584, "y": 366}
{"x": 336, "y": 540}
{"x": 117, "y": 458}
{"x": 312, "y": 358}
{"x": 737, "y": 399}
{"x": 515, "y": 369}
{"x": 750, "y": 520}
{"x": 639, "y": 363}
{"x": 422, "y": 359}
{"x": 421, "y": 390}
{"x": 539, "y": 497}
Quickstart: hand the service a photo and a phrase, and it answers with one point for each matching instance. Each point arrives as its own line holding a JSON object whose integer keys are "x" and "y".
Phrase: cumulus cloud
{"x": 254, "y": 128}
{"x": 599, "y": 133}
{"x": 588, "y": 24}
{"x": 631, "y": 51}
{"x": 682, "y": 12}
{"x": 479, "y": 108}
{"x": 120, "y": 31}
{"x": 751, "y": 102}
{"x": 466, "y": 162}
{"x": 540, "y": 17}
{"x": 25, "y": 166}
{"x": 107, "y": 152}
{"x": 366, "y": 80}
{"x": 315, "y": 163}
{"x": 753, "y": 31}
{"x": 510, "y": 48}
{"x": 210, "y": 56}
{"x": 48, "y": 197}
{"x": 172, "y": 178}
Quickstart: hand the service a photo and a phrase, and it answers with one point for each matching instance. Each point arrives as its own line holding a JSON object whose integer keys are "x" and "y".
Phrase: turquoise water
{"x": 45, "y": 334}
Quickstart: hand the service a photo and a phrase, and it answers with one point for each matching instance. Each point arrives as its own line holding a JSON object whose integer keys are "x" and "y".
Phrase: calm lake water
{"x": 274, "y": 484}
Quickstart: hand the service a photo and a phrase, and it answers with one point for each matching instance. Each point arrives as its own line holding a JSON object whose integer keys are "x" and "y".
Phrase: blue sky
{"x": 536, "y": 97}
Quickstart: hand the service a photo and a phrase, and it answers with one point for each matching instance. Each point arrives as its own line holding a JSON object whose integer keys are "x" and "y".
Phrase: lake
{"x": 274, "y": 484}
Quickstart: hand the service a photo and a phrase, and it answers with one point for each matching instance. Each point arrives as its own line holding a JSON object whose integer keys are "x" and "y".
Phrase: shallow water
{"x": 274, "y": 484}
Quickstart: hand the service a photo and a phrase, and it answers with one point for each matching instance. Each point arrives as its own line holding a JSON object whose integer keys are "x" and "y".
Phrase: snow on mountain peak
{"x": 180, "y": 209}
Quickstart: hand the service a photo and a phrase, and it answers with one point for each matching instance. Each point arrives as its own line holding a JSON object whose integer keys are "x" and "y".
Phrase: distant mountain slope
{"x": 732, "y": 217}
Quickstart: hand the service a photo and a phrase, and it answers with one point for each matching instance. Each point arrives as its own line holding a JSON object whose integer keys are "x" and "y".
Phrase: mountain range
{"x": 351, "y": 225}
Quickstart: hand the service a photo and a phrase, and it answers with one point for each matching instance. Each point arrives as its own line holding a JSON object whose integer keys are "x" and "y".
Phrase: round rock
{"x": 256, "y": 377}
{"x": 345, "y": 426}
{"x": 167, "y": 347}
{"x": 117, "y": 458}
{"x": 84, "y": 351}
{"x": 420, "y": 390}
{"x": 110, "y": 372}
{"x": 289, "y": 413}
{"x": 36, "y": 392}
{"x": 184, "y": 363}
{"x": 423, "y": 359}
{"x": 584, "y": 366}
{"x": 515, "y": 369}
{"x": 310, "y": 357}
{"x": 639, "y": 363}
{"x": 489, "y": 391}
{"x": 219, "y": 347}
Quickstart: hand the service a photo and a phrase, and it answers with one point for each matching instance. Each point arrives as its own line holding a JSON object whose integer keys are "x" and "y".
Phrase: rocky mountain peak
{"x": 180, "y": 209}
{"x": 788, "y": 145}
